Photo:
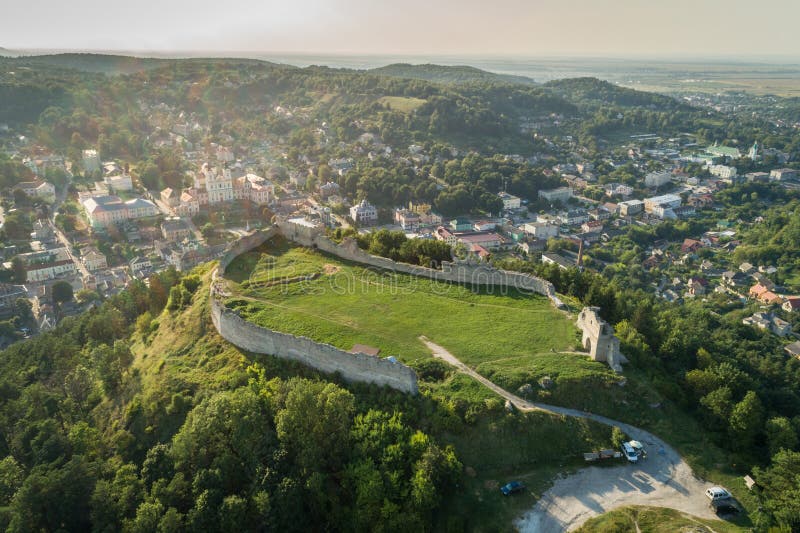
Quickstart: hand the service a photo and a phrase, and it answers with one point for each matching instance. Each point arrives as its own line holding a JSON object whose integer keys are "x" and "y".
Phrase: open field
{"x": 402, "y": 103}
{"x": 347, "y": 304}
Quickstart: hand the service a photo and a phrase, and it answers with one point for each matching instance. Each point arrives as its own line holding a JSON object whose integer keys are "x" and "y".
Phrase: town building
{"x": 103, "y": 211}
{"x": 93, "y": 260}
{"x": 175, "y": 229}
{"x": 37, "y": 189}
{"x": 541, "y": 230}
{"x": 556, "y": 259}
{"x": 408, "y": 220}
{"x": 364, "y": 213}
{"x": 654, "y": 180}
{"x": 510, "y": 202}
{"x": 630, "y": 207}
{"x": 561, "y": 194}
{"x": 170, "y": 197}
{"x": 328, "y": 190}
{"x": 726, "y": 173}
{"x": 121, "y": 182}
{"x": 783, "y": 174}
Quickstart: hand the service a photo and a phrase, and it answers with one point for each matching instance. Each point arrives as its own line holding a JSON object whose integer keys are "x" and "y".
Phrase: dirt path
{"x": 664, "y": 479}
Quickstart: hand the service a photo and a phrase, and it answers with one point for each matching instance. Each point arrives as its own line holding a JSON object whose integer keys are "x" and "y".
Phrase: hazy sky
{"x": 700, "y": 28}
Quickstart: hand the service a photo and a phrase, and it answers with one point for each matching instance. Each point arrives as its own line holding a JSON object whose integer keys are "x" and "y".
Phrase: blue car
{"x": 512, "y": 488}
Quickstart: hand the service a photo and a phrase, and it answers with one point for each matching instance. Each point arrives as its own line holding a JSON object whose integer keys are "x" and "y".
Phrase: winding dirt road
{"x": 663, "y": 479}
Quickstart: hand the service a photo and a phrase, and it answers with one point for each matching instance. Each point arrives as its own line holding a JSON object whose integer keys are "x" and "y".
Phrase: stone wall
{"x": 245, "y": 244}
{"x": 323, "y": 357}
{"x": 474, "y": 273}
{"x": 327, "y": 358}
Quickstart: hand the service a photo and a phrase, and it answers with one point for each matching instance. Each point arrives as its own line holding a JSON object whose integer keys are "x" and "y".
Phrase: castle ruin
{"x": 599, "y": 339}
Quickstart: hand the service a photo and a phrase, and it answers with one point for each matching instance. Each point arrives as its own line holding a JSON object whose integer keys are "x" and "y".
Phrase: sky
{"x": 530, "y": 28}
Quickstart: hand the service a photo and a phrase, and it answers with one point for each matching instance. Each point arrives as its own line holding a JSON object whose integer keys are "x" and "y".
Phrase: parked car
{"x": 717, "y": 493}
{"x": 629, "y": 453}
{"x": 512, "y": 488}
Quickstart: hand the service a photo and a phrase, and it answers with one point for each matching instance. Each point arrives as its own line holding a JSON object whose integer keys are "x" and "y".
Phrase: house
{"x": 461, "y": 224}
{"x": 408, "y": 220}
{"x": 561, "y": 194}
{"x": 37, "y": 189}
{"x": 8, "y": 297}
{"x": 690, "y": 246}
{"x": 364, "y": 213}
{"x": 328, "y": 190}
{"x": 93, "y": 260}
{"x": 140, "y": 266}
{"x": 573, "y": 217}
{"x": 791, "y": 304}
{"x": 510, "y": 202}
{"x": 783, "y": 174}
{"x": 175, "y": 229}
{"x": 793, "y": 349}
{"x": 484, "y": 225}
{"x": 769, "y": 322}
{"x": 592, "y": 226}
{"x": 91, "y": 161}
{"x": 746, "y": 267}
{"x": 733, "y": 278}
{"x": 170, "y": 197}
{"x": 445, "y": 235}
{"x": 697, "y": 286}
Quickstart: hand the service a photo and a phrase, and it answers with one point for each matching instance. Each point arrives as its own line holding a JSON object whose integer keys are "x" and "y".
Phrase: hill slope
{"x": 447, "y": 74}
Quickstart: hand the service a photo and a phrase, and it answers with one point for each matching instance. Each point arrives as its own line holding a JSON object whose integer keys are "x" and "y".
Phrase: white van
{"x": 629, "y": 453}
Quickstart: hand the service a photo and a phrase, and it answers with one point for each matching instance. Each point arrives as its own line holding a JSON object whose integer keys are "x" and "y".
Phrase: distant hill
{"x": 595, "y": 91}
{"x": 100, "y": 63}
{"x": 447, "y": 74}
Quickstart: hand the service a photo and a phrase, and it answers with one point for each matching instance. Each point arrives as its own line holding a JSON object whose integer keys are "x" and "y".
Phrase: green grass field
{"x": 653, "y": 520}
{"x": 346, "y": 304}
{"x": 402, "y": 103}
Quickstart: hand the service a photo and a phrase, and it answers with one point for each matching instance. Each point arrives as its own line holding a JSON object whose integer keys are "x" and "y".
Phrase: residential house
{"x": 93, "y": 260}
{"x": 592, "y": 226}
{"x": 140, "y": 266}
{"x": 657, "y": 179}
{"x": 175, "y": 229}
{"x": 461, "y": 224}
{"x": 690, "y": 246}
{"x": 793, "y": 349}
{"x": 783, "y": 174}
{"x": 697, "y": 286}
{"x": 8, "y": 297}
{"x": 791, "y": 304}
{"x": 37, "y": 189}
{"x": 171, "y": 197}
{"x": 329, "y": 189}
{"x": 408, "y": 220}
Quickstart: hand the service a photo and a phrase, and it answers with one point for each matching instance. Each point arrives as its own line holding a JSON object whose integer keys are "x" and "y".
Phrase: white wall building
{"x": 657, "y": 179}
{"x": 509, "y": 201}
{"x": 561, "y": 194}
{"x": 364, "y": 213}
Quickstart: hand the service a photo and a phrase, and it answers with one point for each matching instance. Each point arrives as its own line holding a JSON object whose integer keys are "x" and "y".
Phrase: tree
{"x": 747, "y": 420}
{"x": 781, "y": 435}
{"x": 62, "y": 292}
{"x": 19, "y": 268}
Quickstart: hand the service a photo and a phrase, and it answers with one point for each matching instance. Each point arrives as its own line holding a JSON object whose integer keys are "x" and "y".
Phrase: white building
{"x": 218, "y": 183}
{"x": 723, "y": 172}
{"x": 509, "y": 201}
{"x": 541, "y": 230}
{"x": 364, "y": 213}
{"x": 630, "y": 207}
{"x": 561, "y": 194}
{"x": 657, "y": 179}
{"x": 38, "y": 189}
{"x": 666, "y": 200}
{"x": 121, "y": 182}
{"x": 103, "y": 211}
